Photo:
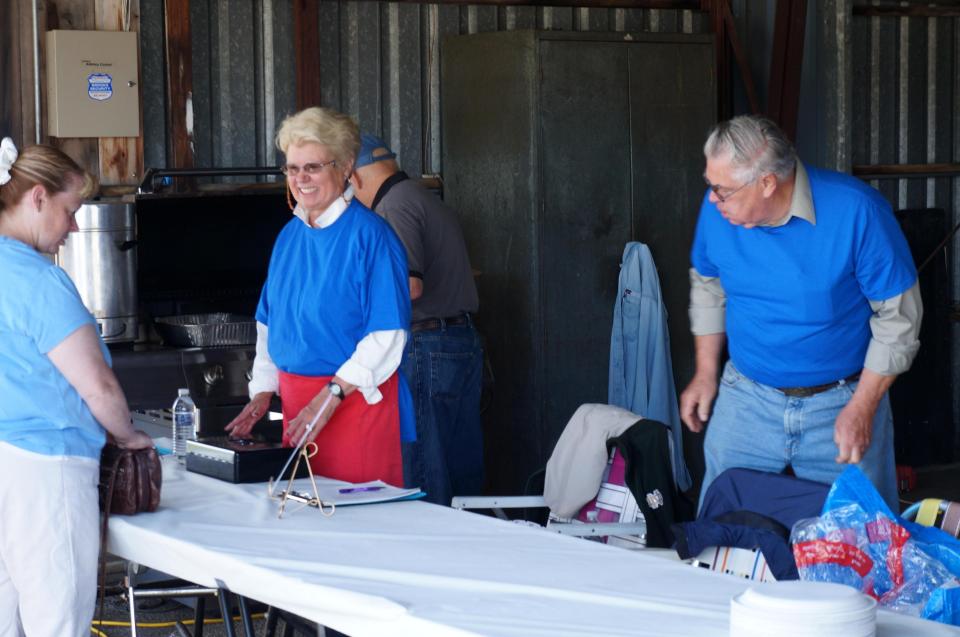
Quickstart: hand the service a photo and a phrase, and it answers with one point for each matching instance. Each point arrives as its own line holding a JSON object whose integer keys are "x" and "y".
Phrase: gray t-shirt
{"x": 436, "y": 251}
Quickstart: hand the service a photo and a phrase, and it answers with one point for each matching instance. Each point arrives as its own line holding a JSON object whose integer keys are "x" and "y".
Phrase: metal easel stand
{"x": 199, "y": 592}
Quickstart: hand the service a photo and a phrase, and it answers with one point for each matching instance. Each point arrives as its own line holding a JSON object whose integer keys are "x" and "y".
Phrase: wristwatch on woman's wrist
{"x": 335, "y": 389}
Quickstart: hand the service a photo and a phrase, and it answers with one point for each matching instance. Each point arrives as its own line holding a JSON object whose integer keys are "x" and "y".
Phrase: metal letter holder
{"x": 302, "y": 452}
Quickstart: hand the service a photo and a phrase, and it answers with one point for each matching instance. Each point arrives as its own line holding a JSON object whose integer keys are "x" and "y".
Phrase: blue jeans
{"x": 755, "y": 426}
{"x": 444, "y": 368}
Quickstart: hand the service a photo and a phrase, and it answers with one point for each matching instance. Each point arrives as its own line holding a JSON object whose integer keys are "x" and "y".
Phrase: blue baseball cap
{"x": 368, "y": 144}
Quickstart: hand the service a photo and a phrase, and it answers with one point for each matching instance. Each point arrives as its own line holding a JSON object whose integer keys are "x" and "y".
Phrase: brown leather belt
{"x": 805, "y": 392}
{"x": 437, "y": 323}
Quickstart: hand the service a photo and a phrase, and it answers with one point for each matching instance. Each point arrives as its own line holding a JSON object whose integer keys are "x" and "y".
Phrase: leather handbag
{"x": 129, "y": 480}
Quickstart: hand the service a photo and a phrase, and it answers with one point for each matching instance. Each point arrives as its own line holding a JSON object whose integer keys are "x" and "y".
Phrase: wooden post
{"x": 10, "y": 61}
{"x": 724, "y": 93}
{"x": 121, "y": 158}
{"x": 784, "y": 93}
{"x": 65, "y": 14}
{"x": 306, "y": 51}
{"x": 179, "y": 83}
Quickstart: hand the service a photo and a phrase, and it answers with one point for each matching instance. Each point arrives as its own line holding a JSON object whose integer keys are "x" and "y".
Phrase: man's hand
{"x": 259, "y": 405}
{"x": 696, "y": 401}
{"x": 853, "y": 431}
{"x": 854, "y": 427}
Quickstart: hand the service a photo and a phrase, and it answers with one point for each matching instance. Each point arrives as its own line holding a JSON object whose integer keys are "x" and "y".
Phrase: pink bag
{"x": 614, "y": 503}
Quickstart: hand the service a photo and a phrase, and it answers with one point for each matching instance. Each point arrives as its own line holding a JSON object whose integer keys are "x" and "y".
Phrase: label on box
{"x": 99, "y": 86}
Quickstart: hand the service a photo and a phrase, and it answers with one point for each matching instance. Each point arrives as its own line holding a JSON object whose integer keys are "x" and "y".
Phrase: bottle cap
{"x": 183, "y": 391}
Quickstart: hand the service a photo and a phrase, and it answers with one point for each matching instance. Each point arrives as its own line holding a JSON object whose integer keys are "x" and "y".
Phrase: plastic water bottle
{"x": 184, "y": 423}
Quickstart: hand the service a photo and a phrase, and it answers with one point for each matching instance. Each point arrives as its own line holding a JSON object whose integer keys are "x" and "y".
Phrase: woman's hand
{"x": 241, "y": 426}
{"x": 136, "y": 439}
{"x": 306, "y": 417}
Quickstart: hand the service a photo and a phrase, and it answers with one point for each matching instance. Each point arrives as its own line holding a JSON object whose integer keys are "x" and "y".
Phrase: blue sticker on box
{"x": 99, "y": 86}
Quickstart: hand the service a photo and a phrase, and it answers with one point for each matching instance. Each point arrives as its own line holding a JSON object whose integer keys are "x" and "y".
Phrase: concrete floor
{"x": 156, "y": 618}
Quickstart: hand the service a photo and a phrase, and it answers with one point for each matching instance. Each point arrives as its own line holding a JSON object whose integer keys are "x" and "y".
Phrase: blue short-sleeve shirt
{"x": 39, "y": 307}
{"x": 328, "y": 288}
{"x": 798, "y": 295}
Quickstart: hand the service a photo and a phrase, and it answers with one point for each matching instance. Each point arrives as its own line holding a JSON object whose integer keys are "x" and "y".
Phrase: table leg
{"x": 198, "y": 615}
{"x": 271, "y": 627}
{"x": 223, "y": 595}
{"x": 245, "y": 616}
{"x": 133, "y": 611}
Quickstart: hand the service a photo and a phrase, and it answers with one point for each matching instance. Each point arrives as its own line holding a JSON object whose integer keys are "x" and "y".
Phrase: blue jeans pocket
{"x": 730, "y": 375}
{"x": 447, "y": 374}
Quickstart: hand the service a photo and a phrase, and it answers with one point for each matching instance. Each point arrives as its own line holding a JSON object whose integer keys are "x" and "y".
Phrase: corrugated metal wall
{"x": 906, "y": 110}
{"x": 380, "y": 62}
{"x": 906, "y": 102}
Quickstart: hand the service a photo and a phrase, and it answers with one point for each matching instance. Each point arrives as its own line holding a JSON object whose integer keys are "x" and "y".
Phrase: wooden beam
{"x": 306, "y": 51}
{"x": 688, "y": 5}
{"x": 906, "y": 171}
{"x": 179, "y": 55}
{"x": 740, "y": 55}
{"x": 783, "y": 100}
{"x": 722, "y": 59}
{"x": 10, "y": 59}
{"x": 907, "y": 12}
{"x": 121, "y": 158}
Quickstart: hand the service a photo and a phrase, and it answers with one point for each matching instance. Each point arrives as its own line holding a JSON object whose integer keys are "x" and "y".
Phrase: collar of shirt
{"x": 801, "y": 204}
{"x": 389, "y": 183}
{"x": 331, "y": 214}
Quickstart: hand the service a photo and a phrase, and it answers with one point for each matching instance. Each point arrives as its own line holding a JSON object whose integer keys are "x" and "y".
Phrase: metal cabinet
{"x": 559, "y": 148}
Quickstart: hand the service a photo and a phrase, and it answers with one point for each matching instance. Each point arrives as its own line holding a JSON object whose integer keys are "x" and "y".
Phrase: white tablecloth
{"x": 413, "y": 568}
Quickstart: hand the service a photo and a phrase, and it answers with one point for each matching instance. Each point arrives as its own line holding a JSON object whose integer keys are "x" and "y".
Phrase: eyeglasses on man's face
{"x": 721, "y": 193}
{"x": 292, "y": 170}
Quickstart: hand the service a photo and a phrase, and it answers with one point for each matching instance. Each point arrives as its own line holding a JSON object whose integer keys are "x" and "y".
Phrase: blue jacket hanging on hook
{"x": 641, "y": 373}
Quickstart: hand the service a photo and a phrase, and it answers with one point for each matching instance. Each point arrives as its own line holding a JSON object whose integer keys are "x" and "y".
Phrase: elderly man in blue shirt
{"x": 806, "y": 277}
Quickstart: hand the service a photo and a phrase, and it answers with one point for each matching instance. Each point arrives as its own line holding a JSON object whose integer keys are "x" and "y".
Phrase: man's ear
{"x": 769, "y": 183}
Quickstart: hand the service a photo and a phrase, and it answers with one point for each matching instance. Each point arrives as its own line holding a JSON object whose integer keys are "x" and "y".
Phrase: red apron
{"x": 361, "y": 442}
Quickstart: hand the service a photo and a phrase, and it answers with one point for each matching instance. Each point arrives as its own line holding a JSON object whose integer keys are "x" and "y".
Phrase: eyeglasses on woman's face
{"x": 292, "y": 170}
{"x": 722, "y": 194}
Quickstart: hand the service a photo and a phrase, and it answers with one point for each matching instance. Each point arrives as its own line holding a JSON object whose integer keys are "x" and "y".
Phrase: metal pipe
{"x": 36, "y": 72}
{"x": 185, "y": 591}
{"x": 152, "y": 175}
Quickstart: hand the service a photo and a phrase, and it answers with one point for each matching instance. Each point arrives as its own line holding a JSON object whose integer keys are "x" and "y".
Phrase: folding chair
{"x": 637, "y": 455}
{"x": 942, "y": 514}
{"x": 613, "y": 501}
{"x": 138, "y": 583}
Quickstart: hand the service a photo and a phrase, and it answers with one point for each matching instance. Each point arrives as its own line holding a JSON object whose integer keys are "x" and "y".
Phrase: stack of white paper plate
{"x": 802, "y": 609}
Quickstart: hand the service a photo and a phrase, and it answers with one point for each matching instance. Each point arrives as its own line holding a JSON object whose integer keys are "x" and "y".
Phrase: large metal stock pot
{"x": 101, "y": 258}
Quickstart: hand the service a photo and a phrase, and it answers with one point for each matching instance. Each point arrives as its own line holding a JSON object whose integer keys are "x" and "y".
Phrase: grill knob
{"x": 213, "y": 375}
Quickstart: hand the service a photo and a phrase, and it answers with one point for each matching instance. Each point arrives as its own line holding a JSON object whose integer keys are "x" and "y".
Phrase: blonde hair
{"x": 324, "y": 126}
{"x": 45, "y": 166}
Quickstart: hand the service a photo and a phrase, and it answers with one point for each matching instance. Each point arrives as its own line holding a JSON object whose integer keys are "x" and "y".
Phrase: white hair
{"x": 755, "y": 146}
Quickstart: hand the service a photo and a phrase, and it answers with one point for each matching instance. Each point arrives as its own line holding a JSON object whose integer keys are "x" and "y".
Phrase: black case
{"x": 238, "y": 461}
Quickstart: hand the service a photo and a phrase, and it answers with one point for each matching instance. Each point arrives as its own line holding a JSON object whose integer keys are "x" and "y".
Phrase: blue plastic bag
{"x": 857, "y": 540}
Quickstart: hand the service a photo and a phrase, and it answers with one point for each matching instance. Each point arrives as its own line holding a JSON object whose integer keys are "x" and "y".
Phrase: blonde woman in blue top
{"x": 59, "y": 397}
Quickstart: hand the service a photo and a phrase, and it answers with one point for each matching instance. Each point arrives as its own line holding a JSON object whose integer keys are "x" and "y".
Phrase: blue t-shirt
{"x": 328, "y": 288}
{"x": 39, "y": 307}
{"x": 798, "y": 295}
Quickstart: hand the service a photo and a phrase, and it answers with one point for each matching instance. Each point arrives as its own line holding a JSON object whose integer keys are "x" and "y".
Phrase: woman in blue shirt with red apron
{"x": 333, "y": 314}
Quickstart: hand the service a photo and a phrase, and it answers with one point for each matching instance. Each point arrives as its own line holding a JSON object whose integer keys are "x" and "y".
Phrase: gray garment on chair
{"x": 575, "y": 469}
